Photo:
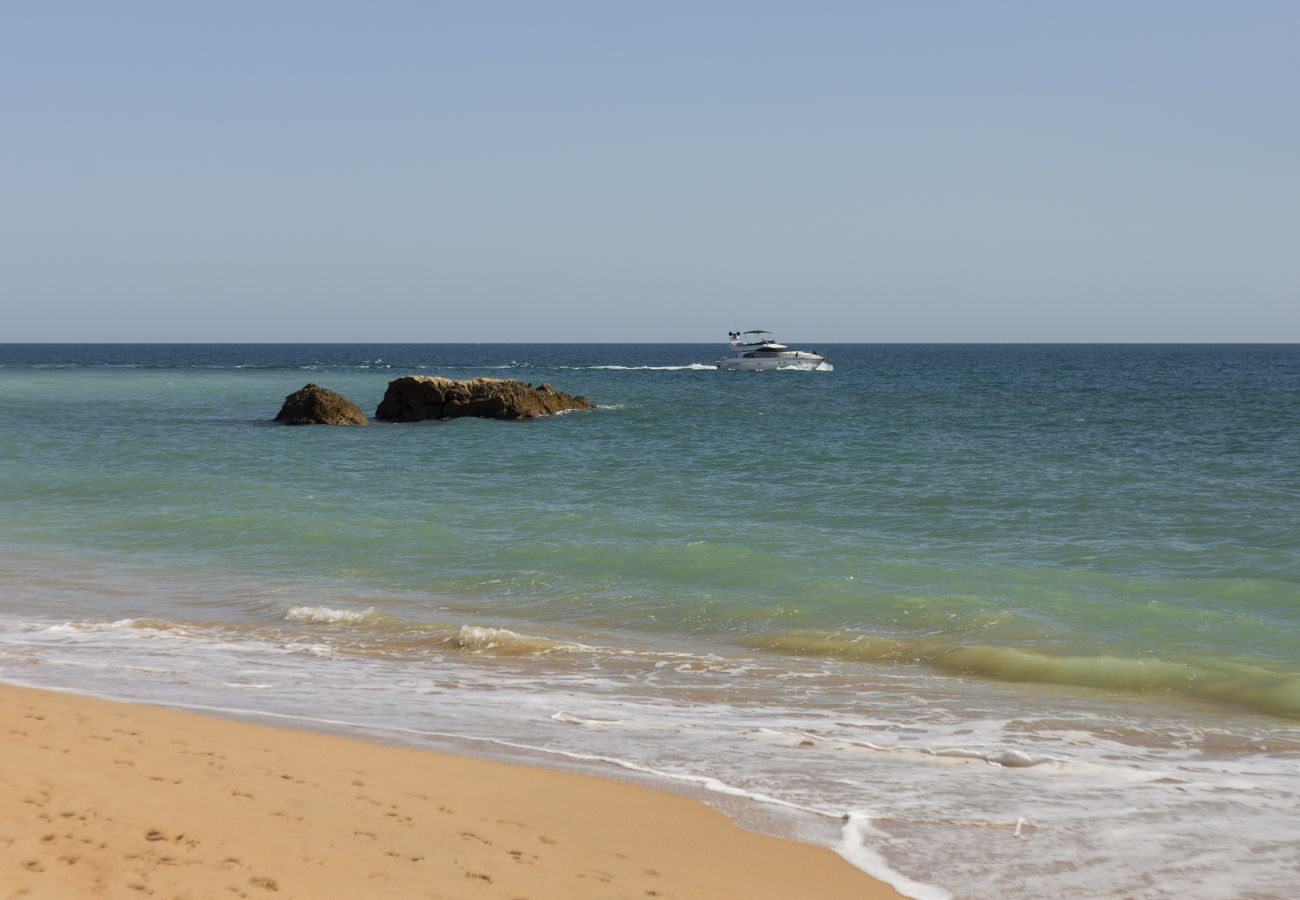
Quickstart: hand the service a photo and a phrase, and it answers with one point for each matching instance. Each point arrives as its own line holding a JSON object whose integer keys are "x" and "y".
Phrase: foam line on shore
{"x": 853, "y": 846}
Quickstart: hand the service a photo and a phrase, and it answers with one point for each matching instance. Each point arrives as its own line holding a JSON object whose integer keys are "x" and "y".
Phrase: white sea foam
{"x": 569, "y": 718}
{"x": 1018, "y": 760}
{"x": 325, "y": 615}
{"x": 855, "y": 837}
{"x": 135, "y": 624}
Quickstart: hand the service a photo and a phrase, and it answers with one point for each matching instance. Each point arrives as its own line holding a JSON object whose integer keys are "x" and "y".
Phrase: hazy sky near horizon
{"x": 391, "y": 171}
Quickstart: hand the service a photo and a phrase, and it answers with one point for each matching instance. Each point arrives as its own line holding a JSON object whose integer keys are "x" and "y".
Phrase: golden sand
{"x": 103, "y": 799}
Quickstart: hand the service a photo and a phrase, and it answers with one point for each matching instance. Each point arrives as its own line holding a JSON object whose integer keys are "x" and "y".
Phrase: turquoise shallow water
{"x": 1092, "y": 528}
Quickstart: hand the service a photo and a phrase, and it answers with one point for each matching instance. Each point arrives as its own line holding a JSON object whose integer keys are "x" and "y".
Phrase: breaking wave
{"x": 388, "y": 635}
{"x": 503, "y": 641}
{"x": 1252, "y": 687}
{"x": 325, "y": 615}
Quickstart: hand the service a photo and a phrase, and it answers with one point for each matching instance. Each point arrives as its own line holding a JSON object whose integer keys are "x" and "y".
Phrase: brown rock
{"x": 315, "y": 405}
{"x": 413, "y": 398}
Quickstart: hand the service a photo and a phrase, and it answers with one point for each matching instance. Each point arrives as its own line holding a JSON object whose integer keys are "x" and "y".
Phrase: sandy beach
{"x": 103, "y": 799}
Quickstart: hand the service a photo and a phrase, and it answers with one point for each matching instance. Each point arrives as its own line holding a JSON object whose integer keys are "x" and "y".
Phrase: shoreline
{"x": 104, "y": 798}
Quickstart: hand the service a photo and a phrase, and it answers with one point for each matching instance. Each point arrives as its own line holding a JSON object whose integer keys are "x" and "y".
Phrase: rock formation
{"x": 412, "y": 398}
{"x": 315, "y": 405}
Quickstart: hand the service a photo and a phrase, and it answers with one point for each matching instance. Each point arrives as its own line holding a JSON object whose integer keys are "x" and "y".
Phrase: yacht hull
{"x": 737, "y": 364}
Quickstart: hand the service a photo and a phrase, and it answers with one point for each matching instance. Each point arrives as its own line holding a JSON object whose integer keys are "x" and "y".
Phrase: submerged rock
{"x": 413, "y": 398}
{"x": 315, "y": 405}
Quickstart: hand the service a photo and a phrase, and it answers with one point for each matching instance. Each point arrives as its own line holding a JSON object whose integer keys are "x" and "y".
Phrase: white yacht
{"x": 756, "y": 351}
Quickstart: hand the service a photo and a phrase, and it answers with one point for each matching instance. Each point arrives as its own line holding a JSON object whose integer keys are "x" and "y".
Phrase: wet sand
{"x": 102, "y": 799}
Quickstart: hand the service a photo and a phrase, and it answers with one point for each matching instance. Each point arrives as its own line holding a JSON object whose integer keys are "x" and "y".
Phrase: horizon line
{"x": 959, "y": 343}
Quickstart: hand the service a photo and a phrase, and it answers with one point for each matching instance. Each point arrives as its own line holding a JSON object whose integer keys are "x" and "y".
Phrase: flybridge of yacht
{"x": 753, "y": 339}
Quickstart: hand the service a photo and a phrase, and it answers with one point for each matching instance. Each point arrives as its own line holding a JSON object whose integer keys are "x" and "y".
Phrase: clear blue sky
{"x": 482, "y": 171}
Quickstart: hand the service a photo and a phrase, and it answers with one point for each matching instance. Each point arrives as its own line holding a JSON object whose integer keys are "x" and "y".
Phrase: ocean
{"x": 991, "y": 620}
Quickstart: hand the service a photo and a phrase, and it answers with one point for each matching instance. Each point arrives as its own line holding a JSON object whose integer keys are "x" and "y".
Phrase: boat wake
{"x": 692, "y": 367}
